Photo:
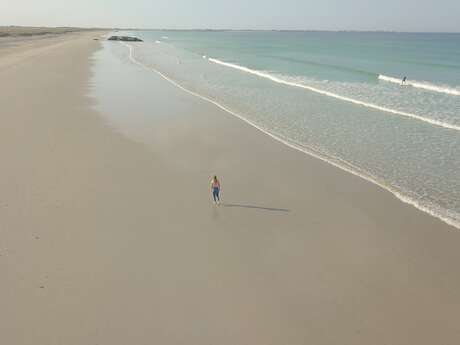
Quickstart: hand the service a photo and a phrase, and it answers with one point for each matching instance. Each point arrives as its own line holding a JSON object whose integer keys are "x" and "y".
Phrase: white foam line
{"x": 330, "y": 94}
{"x": 421, "y": 85}
{"x": 296, "y": 147}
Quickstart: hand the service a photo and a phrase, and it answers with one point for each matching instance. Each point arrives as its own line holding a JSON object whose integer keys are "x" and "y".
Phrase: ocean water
{"x": 335, "y": 95}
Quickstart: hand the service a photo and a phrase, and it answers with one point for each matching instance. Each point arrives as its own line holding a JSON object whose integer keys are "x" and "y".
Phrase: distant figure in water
{"x": 215, "y": 190}
{"x": 403, "y": 82}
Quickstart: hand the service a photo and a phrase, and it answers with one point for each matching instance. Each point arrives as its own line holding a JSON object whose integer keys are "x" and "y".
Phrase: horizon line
{"x": 298, "y": 30}
{"x": 226, "y": 29}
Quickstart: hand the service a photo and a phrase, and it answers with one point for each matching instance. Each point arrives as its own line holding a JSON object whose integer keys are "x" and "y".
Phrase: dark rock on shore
{"x": 125, "y": 39}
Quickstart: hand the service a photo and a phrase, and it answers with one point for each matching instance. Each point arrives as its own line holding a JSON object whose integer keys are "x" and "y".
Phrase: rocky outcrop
{"x": 125, "y": 39}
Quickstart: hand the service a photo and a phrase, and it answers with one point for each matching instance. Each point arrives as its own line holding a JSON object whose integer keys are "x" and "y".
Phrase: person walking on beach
{"x": 215, "y": 190}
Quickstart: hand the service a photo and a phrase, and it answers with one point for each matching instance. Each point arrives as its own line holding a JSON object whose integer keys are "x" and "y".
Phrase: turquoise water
{"x": 337, "y": 96}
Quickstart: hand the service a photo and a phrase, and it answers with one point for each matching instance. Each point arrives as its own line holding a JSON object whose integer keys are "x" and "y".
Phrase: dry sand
{"x": 105, "y": 240}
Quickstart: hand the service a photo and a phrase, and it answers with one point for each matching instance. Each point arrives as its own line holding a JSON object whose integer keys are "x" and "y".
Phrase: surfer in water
{"x": 403, "y": 82}
{"x": 215, "y": 190}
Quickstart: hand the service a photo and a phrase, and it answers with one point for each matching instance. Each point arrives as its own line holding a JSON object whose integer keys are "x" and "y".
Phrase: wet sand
{"x": 108, "y": 234}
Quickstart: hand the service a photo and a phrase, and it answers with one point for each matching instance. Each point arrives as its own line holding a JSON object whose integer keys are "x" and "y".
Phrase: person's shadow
{"x": 256, "y": 207}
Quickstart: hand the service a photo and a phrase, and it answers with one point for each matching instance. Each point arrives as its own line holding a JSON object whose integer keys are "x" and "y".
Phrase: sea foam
{"x": 280, "y": 80}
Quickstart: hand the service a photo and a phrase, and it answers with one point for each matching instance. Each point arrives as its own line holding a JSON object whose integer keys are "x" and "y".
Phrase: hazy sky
{"x": 400, "y": 15}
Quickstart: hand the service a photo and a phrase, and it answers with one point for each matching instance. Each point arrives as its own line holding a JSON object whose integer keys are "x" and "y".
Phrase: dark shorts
{"x": 215, "y": 193}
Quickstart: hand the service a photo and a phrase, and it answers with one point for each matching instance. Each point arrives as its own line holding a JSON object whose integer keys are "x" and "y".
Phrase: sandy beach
{"x": 108, "y": 234}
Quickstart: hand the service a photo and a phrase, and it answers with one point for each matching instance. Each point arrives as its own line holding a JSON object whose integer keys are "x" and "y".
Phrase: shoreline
{"x": 398, "y": 195}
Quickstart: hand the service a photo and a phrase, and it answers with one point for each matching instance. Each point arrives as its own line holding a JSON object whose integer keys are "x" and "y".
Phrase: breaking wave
{"x": 422, "y": 85}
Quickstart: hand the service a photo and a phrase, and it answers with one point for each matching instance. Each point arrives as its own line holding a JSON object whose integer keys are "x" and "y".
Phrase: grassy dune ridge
{"x": 25, "y": 31}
